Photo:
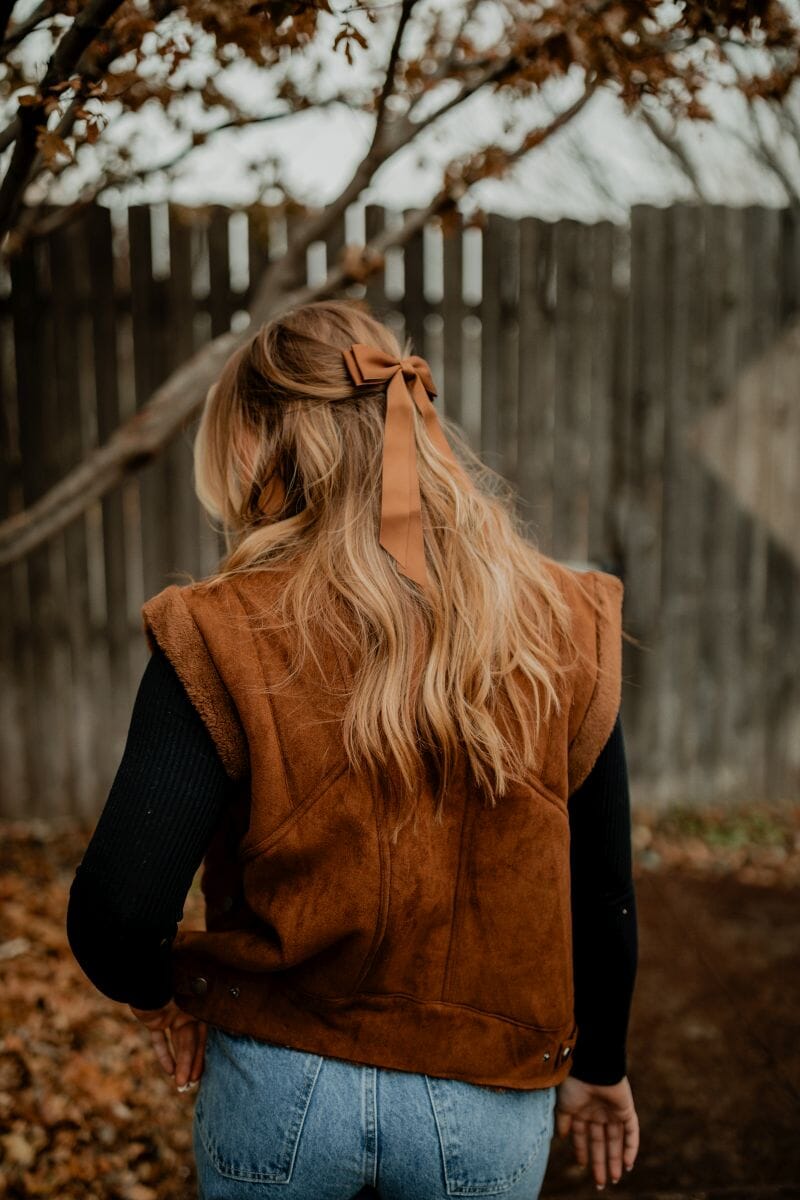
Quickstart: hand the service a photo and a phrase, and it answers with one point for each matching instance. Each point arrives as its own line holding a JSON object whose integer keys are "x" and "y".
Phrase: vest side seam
{"x": 385, "y": 866}
{"x": 288, "y": 791}
{"x": 544, "y": 792}
{"x": 271, "y": 839}
{"x": 454, "y": 919}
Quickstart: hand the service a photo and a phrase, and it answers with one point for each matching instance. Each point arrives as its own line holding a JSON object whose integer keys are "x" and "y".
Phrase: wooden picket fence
{"x": 636, "y": 384}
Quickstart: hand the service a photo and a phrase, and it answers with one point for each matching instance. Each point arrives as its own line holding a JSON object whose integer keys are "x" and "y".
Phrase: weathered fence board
{"x": 12, "y": 740}
{"x": 453, "y": 314}
{"x": 116, "y": 552}
{"x": 572, "y": 401}
{"x": 684, "y": 743}
{"x": 537, "y": 373}
{"x": 634, "y": 384}
{"x": 602, "y": 431}
{"x": 70, "y": 437}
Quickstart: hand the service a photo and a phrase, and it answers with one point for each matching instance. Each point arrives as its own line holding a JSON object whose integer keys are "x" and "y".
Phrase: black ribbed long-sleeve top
{"x": 170, "y": 792}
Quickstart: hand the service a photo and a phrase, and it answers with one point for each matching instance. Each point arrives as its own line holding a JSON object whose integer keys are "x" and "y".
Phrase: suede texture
{"x": 448, "y": 953}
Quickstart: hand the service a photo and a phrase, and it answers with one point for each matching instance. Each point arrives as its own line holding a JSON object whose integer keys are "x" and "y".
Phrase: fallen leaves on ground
{"x": 85, "y": 1110}
{"x": 758, "y": 845}
{"x": 86, "y": 1113}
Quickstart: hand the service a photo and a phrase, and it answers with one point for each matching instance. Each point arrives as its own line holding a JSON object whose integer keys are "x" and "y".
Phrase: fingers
{"x": 191, "y": 1042}
{"x": 163, "y": 1050}
{"x": 597, "y": 1143}
{"x": 606, "y": 1147}
{"x": 180, "y": 1049}
{"x": 604, "y": 1127}
{"x": 563, "y": 1122}
{"x": 614, "y": 1132}
{"x": 580, "y": 1141}
{"x": 199, "y": 1054}
{"x": 631, "y": 1139}
{"x": 186, "y": 1045}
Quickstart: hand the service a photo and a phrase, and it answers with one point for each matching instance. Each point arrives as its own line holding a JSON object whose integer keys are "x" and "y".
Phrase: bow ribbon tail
{"x": 401, "y": 505}
{"x": 430, "y": 416}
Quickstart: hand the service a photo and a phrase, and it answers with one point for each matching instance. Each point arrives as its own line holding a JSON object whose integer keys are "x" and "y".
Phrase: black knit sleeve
{"x": 604, "y": 920}
{"x": 168, "y": 795}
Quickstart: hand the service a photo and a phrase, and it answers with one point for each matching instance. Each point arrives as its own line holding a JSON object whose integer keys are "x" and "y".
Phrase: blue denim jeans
{"x": 272, "y": 1121}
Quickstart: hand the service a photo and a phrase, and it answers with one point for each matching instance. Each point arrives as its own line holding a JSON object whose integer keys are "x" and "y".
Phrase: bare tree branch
{"x": 760, "y": 148}
{"x": 389, "y": 78}
{"x": 380, "y": 149}
{"x": 47, "y": 8}
{"x": 531, "y": 140}
{"x": 285, "y": 271}
{"x": 8, "y": 134}
{"x": 449, "y": 65}
{"x": 787, "y": 119}
{"x": 175, "y": 402}
{"x": 82, "y": 32}
{"x": 493, "y": 73}
{"x": 32, "y": 224}
{"x": 673, "y": 145}
{"x": 766, "y": 156}
{"x": 6, "y": 8}
{"x": 588, "y": 160}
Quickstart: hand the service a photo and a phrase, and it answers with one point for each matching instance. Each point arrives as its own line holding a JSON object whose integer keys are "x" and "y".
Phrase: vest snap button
{"x": 199, "y": 985}
{"x": 234, "y": 991}
{"x": 546, "y": 1055}
{"x": 566, "y": 1052}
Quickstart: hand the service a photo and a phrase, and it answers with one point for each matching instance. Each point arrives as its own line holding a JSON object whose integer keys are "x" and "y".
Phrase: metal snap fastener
{"x": 234, "y": 991}
{"x": 546, "y": 1055}
{"x": 199, "y": 985}
{"x": 566, "y": 1052}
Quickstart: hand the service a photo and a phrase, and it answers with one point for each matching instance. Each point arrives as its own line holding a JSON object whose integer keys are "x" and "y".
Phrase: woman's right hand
{"x": 604, "y": 1125}
{"x": 184, "y": 1057}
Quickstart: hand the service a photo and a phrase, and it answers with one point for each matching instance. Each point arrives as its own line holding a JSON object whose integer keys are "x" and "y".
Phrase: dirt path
{"x": 714, "y": 1052}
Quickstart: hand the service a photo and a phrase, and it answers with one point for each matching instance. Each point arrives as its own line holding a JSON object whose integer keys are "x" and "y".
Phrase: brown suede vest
{"x": 449, "y": 953}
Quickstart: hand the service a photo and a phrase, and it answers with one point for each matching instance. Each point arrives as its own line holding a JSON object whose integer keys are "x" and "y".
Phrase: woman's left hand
{"x": 184, "y": 1057}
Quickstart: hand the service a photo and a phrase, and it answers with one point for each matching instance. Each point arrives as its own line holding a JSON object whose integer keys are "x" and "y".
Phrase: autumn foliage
{"x": 409, "y": 66}
{"x": 86, "y": 1111}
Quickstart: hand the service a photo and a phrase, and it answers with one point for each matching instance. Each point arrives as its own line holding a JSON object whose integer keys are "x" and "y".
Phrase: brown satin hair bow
{"x": 409, "y": 383}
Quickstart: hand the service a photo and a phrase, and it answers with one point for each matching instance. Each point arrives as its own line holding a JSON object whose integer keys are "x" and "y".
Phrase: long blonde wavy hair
{"x": 434, "y": 671}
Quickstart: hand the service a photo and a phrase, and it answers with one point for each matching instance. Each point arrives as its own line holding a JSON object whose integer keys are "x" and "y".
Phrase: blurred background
{"x": 587, "y": 218}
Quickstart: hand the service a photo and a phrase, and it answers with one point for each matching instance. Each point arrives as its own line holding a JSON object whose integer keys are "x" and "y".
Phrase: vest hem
{"x": 392, "y": 1031}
